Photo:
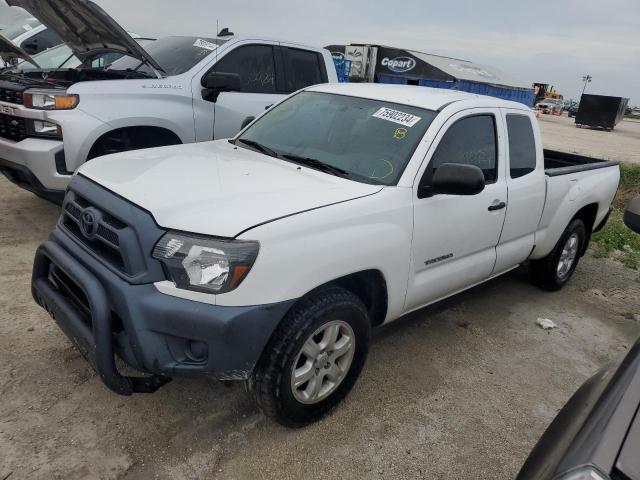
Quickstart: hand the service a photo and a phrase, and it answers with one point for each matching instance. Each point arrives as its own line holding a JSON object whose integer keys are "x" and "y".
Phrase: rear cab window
{"x": 522, "y": 145}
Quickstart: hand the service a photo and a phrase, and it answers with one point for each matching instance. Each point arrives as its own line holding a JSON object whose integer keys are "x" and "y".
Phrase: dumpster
{"x": 601, "y": 111}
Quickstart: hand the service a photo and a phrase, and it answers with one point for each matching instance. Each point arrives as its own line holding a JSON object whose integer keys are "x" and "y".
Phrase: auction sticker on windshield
{"x": 204, "y": 44}
{"x": 397, "y": 116}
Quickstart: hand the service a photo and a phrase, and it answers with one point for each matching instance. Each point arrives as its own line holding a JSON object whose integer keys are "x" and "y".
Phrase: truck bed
{"x": 562, "y": 163}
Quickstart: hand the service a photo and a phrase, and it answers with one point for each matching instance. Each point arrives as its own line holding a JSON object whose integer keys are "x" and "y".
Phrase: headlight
{"x": 586, "y": 473}
{"x": 49, "y": 100}
{"x": 205, "y": 264}
{"x": 39, "y": 128}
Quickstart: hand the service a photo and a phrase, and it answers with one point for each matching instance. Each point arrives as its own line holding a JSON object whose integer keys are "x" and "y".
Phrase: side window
{"x": 305, "y": 69}
{"x": 472, "y": 141}
{"x": 254, "y": 64}
{"x": 41, "y": 41}
{"x": 522, "y": 145}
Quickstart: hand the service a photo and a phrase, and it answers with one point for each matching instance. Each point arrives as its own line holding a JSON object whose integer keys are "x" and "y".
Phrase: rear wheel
{"x": 314, "y": 357}
{"x": 554, "y": 271}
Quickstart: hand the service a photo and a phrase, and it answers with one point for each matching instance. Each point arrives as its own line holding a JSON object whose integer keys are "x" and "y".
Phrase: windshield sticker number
{"x": 396, "y": 116}
{"x": 204, "y": 44}
{"x": 400, "y": 133}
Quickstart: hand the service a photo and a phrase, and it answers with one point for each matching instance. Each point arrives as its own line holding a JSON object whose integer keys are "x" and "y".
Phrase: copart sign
{"x": 399, "y": 64}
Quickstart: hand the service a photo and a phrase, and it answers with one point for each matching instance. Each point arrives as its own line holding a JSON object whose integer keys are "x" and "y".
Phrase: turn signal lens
{"x": 66, "y": 102}
{"x": 49, "y": 100}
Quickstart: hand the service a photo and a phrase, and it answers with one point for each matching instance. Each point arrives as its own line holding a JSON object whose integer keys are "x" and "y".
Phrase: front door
{"x": 221, "y": 116}
{"x": 455, "y": 236}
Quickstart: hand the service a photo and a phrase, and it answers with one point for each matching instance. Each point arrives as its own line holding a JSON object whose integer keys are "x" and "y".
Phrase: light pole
{"x": 586, "y": 79}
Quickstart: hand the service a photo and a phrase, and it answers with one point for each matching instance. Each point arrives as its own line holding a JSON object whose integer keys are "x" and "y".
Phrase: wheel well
{"x": 132, "y": 138}
{"x": 588, "y": 215}
{"x": 370, "y": 287}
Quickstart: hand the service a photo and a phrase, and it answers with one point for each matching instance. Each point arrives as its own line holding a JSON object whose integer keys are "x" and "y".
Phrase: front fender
{"x": 304, "y": 251}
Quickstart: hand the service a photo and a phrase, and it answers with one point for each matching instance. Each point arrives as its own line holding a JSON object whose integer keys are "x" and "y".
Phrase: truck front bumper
{"x": 106, "y": 317}
{"x": 31, "y": 164}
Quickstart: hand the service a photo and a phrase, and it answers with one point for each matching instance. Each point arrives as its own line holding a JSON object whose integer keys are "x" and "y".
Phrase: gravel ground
{"x": 622, "y": 143}
{"x": 461, "y": 390}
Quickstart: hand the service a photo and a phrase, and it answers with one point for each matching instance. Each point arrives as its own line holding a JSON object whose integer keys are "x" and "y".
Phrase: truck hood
{"x": 9, "y": 51}
{"x": 85, "y": 27}
{"x": 215, "y": 188}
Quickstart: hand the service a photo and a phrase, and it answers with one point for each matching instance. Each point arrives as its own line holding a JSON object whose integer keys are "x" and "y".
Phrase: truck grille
{"x": 111, "y": 230}
{"x": 103, "y": 238}
{"x": 11, "y": 96}
{"x": 13, "y": 128}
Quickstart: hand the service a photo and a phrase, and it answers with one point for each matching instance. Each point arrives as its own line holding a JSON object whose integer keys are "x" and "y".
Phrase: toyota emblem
{"x": 89, "y": 223}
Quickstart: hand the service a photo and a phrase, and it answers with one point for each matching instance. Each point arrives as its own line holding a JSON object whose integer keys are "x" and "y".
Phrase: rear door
{"x": 526, "y": 189}
{"x": 455, "y": 236}
{"x": 303, "y": 67}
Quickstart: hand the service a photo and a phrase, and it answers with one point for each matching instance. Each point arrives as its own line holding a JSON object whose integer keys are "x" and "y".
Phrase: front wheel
{"x": 554, "y": 271}
{"x": 314, "y": 357}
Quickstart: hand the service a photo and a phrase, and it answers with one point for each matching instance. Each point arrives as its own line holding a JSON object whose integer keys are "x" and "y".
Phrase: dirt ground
{"x": 622, "y": 143}
{"x": 461, "y": 390}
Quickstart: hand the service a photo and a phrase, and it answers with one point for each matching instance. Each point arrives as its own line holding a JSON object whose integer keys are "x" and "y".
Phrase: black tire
{"x": 544, "y": 272}
{"x": 272, "y": 378}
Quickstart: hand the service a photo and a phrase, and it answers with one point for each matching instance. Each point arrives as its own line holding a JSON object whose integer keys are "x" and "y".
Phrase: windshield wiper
{"x": 258, "y": 146}
{"x": 317, "y": 164}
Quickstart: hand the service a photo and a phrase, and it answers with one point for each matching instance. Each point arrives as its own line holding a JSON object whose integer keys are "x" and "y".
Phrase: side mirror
{"x": 632, "y": 215}
{"x": 457, "y": 179}
{"x": 246, "y": 122}
{"x": 221, "y": 82}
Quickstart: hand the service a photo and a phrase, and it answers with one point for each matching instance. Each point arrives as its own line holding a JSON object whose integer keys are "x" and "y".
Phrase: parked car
{"x": 269, "y": 257}
{"x": 552, "y": 106}
{"x": 31, "y": 35}
{"x": 175, "y": 90}
{"x": 596, "y": 435}
{"x": 572, "y": 111}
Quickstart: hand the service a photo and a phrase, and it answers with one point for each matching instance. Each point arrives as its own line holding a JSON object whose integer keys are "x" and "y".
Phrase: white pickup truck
{"x": 174, "y": 90}
{"x": 269, "y": 257}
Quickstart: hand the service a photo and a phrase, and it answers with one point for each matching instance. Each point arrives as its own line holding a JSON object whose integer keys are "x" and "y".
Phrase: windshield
{"x": 175, "y": 55}
{"x": 62, "y": 57}
{"x": 56, "y": 57}
{"x": 371, "y": 140}
{"x": 21, "y": 27}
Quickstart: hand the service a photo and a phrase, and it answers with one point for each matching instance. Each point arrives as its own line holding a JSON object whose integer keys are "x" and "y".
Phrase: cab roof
{"x": 422, "y": 97}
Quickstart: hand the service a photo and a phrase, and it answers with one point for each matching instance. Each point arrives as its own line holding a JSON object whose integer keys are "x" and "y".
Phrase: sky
{"x": 548, "y": 41}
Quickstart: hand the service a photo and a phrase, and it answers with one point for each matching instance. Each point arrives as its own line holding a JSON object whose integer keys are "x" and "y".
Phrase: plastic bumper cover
{"x": 31, "y": 163}
{"x": 106, "y": 317}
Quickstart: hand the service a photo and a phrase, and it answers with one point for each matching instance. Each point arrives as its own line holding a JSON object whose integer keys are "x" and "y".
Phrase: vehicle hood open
{"x": 10, "y": 51}
{"x": 86, "y": 28}
{"x": 216, "y": 188}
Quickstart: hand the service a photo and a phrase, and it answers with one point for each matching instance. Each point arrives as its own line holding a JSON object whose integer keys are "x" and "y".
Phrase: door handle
{"x": 497, "y": 206}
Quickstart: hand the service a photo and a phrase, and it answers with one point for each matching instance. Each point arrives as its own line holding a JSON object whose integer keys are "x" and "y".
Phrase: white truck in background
{"x": 175, "y": 90}
{"x": 31, "y": 36}
{"x": 269, "y": 257}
